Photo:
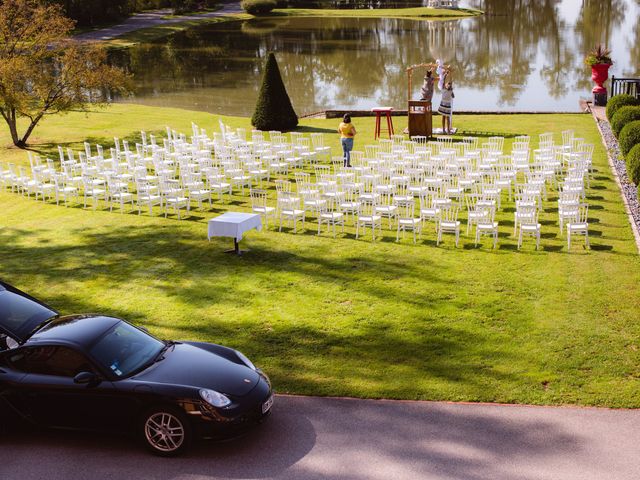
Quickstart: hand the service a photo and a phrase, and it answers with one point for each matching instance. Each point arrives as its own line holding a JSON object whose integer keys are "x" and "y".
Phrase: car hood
{"x": 192, "y": 366}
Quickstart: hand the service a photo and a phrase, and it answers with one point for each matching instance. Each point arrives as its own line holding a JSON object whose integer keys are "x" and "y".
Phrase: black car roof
{"x": 82, "y": 330}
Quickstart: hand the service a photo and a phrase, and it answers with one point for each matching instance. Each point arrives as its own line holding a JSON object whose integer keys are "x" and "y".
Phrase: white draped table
{"x": 234, "y": 224}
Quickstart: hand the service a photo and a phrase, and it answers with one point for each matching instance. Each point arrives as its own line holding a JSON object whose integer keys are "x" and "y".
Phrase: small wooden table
{"x": 420, "y": 122}
{"x": 386, "y": 111}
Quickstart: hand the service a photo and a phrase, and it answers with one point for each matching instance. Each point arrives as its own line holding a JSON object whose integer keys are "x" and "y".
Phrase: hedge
{"x": 629, "y": 137}
{"x": 633, "y": 165}
{"x": 258, "y": 7}
{"x": 623, "y": 116}
{"x": 618, "y": 101}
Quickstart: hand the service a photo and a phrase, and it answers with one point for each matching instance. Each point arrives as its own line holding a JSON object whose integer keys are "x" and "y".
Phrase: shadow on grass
{"x": 302, "y": 357}
{"x": 310, "y": 129}
{"x": 484, "y": 134}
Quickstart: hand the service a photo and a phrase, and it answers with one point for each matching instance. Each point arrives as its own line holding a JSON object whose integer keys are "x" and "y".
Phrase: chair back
{"x": 258, "y": 198}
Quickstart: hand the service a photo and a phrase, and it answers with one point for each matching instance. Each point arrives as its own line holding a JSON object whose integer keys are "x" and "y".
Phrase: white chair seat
{"x": 148, "y": 197}
{"x": 578, "y": 226}
{"x": 264, "y": 210}
{"x": 332, "y": 215}
{"x": 386, "y": 209}
{"x": 408, "y": 221}
{"x": 291, "y": 213}
{"x": 445, "y": 225}
{"x": 487, "y": 226}
{"x": 314, "y": 203}
{"x": 429, "y": 212}
{"x": 177, "y": 200}
{"x": 123, "y": 196}
{"x": 369, "y": 197}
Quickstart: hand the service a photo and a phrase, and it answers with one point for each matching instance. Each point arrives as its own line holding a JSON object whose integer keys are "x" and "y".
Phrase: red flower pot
{"x": 600, "y": 74}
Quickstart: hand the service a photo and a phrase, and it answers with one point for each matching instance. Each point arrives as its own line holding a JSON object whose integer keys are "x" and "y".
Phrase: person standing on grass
{"x": 446, "y": 107}
{"x": 347, "y": 131}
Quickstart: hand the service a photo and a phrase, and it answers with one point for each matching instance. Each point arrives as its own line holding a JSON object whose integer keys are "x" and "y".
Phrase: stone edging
{"x": 628, "y": 191}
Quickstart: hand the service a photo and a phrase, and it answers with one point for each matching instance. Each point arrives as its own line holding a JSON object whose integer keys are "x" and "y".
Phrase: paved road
{"x": 151, "y": 19}
{"x": 323, "y": 438}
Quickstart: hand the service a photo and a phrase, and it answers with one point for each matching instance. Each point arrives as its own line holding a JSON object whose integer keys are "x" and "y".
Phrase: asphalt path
{"x": 153, "y": 18}
{"x": 331, "y": 438}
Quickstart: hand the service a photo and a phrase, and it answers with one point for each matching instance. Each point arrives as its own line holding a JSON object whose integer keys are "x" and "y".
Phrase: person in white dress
{"x": 446, "y": 107}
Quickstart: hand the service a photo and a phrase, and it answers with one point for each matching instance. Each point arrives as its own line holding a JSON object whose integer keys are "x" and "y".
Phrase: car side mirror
{"x": 86, "y": 378}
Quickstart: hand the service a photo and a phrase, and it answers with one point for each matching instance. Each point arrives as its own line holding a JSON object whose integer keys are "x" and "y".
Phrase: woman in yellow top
{"x": 347, "y": 131}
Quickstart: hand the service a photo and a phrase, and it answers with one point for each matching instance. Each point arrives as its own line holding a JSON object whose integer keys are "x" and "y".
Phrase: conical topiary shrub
{"x": 273, "y": 110}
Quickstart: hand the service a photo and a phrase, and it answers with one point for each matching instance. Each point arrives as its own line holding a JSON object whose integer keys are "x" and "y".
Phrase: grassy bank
{"x": 344, "y": 316}
{"x": 417, "y": 12}
{"x": 420, "y": 13}
{"x": 160, "y": 31}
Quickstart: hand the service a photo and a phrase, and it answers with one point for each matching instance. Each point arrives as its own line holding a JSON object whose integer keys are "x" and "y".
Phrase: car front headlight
{"x": 214, "y": 398}
{"x": 245, "y": 360}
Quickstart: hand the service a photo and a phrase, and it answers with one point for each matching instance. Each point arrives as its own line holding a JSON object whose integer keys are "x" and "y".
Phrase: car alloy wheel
{"x": 166, "y": 432}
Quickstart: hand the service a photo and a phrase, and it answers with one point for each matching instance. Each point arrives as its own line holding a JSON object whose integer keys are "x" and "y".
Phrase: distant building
{"x": 443, "y": 3}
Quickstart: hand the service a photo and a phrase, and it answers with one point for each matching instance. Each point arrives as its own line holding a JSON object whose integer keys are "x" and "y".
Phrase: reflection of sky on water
{"x": 513, "y": 58}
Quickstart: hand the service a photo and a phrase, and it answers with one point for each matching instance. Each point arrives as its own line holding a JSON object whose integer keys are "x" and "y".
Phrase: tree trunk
{"x": 22, "y": 143}
{"x": 10, "y": 118}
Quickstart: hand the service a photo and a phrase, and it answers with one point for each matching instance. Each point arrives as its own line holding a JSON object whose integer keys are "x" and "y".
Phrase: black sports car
{"x": 102, "y": 373}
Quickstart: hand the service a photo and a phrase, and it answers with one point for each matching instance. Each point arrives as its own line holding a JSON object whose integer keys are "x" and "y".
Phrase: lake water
{"x": 521, "y": 55}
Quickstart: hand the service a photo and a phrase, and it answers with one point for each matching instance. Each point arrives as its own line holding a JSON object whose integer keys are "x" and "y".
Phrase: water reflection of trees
{"x": 332, "y": 61}
{"x": 634, "y": 49}
{"x": 595, "y": 25}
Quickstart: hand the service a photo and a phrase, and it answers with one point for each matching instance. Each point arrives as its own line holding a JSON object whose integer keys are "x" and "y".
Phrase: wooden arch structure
{"x": 419, "y": 112}
{"x": 431, "y": 66}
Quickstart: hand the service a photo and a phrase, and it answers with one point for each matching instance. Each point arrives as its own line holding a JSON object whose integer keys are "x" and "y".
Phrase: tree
{"x": 273, "y": 109}
{"x": 94, "y": 12}
{"x": 42, "y": 72}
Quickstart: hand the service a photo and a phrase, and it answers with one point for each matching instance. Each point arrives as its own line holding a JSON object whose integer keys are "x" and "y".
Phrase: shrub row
{"x": 629, "y": 137}
{"x": 624, "y": 116}
{"x": 618, "y": 101}
{"x": 633, "y": 165}
{"x": 623, "y": 111}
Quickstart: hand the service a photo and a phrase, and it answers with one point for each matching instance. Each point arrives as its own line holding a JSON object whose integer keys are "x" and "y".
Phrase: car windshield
{"x": 20, "y": 315}
{"x": 124, "y": 350}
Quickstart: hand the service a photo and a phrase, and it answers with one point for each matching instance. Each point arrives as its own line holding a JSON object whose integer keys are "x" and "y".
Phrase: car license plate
{"x": 266, "y": 406}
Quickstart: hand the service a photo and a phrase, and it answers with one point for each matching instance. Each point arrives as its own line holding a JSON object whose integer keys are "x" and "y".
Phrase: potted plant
{"x": 600, "y": 62}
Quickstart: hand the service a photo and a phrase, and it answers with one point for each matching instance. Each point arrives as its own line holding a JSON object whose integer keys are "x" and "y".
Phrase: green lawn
{"x": 343, "y": 316}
